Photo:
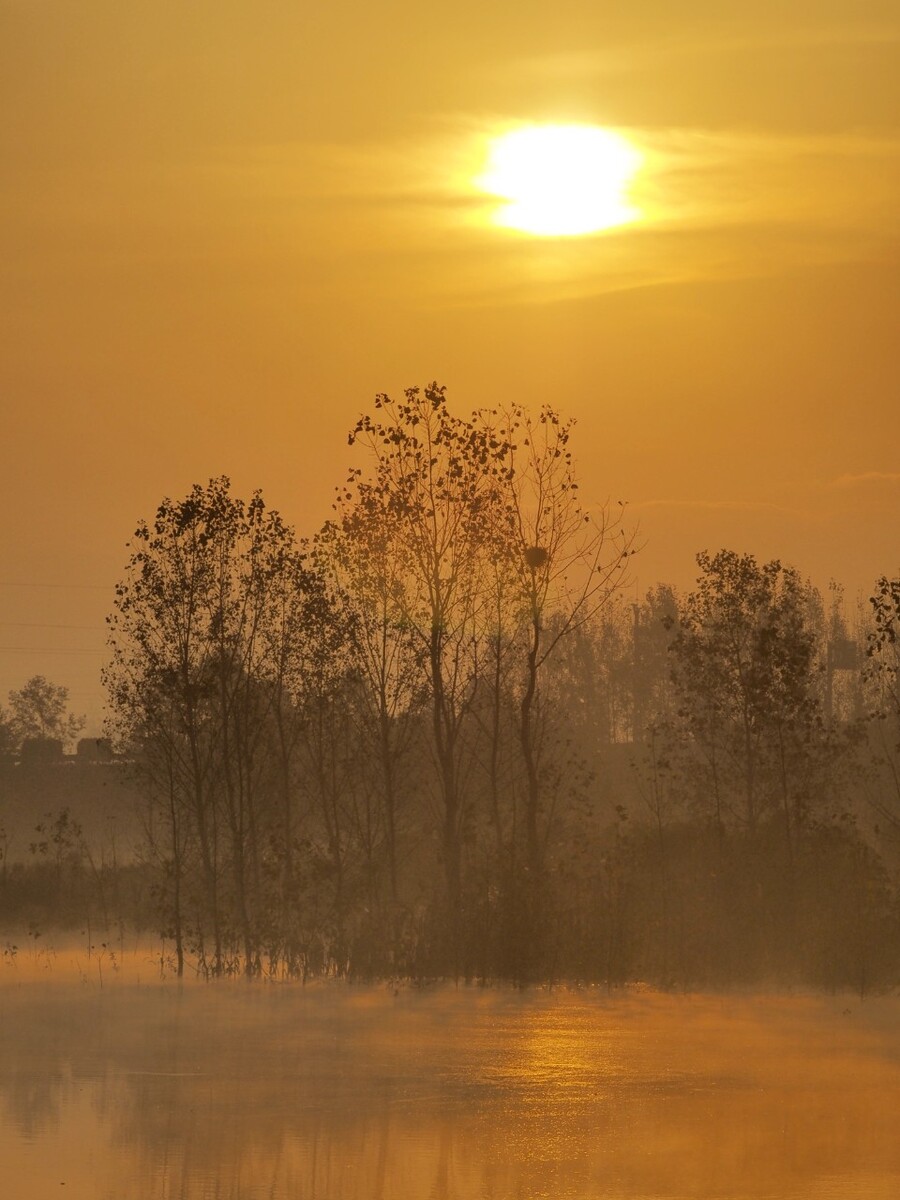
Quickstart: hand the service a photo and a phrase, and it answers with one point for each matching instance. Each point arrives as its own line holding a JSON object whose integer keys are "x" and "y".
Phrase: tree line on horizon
{"x": 37, "y": 712}
{"x": 387, "y": 751}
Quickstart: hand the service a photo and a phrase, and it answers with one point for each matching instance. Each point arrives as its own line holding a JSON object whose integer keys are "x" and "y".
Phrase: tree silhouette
{"x": 434, "y": 485}
{"x": 882, "y": 673}
{"x": 207, "y": 635}
{"x": 40, "y": 710}
{"x": 745, "y": 670}
{"x": 565, "y": 564}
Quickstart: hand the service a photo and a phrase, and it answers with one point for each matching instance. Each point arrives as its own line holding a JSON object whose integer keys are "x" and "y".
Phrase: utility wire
{"x": 93, "y": 587}
{"x": 45, "y": 625}
{"x": 53, "y": 650}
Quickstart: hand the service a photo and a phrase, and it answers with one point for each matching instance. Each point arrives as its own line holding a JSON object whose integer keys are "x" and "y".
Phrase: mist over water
{"x": 228, "y": 1091}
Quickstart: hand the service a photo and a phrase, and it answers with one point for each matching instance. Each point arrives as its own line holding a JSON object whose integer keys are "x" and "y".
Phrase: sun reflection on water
{"x": 348, "y": 1095}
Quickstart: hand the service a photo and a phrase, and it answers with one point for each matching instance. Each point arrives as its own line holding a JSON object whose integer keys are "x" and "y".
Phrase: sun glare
{"x": 561, "y": 180}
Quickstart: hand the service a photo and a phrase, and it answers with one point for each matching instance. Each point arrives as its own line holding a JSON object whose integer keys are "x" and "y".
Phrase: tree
{"x": 882, "y": 674}
{"x": 472, "y": 561}
{"x": 883, "y": 645}
{"x": 745, "y": 674}
{"x": 564, "y": 562}
{"x": 433, "y": 491}
{"x": 40, "y": 710}
{"x": 8, "y": 738}
{"x": 208, "y": 628}
{"x": 359, "y": 552}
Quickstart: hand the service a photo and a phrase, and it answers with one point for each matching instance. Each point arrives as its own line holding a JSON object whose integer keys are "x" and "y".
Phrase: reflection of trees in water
{"x": 32, "y": 1101}
{"x": 37, "y": 1031}
{"x": 339, "y": 1094}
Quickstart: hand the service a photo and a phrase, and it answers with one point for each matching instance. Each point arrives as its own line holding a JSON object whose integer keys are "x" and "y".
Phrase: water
{"x": 157, "y": 1092}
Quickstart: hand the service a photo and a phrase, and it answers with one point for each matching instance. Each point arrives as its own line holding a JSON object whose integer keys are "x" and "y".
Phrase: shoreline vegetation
{"x": 136, "y": 962}
{"x": 440, "y": 741}
{"x": 93, "y": 921}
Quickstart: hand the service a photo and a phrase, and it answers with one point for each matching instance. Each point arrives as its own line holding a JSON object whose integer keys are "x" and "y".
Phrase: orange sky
{"x": 226, "y": 226}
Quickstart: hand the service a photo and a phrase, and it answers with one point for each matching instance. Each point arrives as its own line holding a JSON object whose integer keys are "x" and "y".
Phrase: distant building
{"x": 96, "y": 786}
{"x": 94, "y": 750}
{"x": 41, "y": 750}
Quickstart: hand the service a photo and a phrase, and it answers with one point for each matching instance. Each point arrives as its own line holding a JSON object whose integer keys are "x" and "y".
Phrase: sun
{"x": 561, "y": 180}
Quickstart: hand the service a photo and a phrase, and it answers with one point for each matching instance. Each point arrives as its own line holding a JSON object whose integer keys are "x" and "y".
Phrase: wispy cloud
{"x": 626, "y": 55}
{"x": 714, "y": 204}
{"x": 864, "y": 478}
{"x": 719, "y": 505}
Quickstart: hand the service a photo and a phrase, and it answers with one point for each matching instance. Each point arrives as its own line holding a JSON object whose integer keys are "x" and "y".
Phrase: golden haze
{"x": 224, "y": 230}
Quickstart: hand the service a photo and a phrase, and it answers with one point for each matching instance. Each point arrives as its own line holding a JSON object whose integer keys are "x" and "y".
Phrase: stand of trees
{"x": 326, "y": 729}
{"x": 39, "y": 710}
{"x": 437, "y": 740}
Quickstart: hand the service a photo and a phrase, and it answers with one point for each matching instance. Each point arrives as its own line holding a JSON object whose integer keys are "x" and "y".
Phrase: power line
{"x": 93, "y": 587}
{"x": 53, "y": 650}
{"x": 45, "y": 625}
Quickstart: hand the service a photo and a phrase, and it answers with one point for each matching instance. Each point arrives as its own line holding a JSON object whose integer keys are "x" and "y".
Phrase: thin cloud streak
{"x": 714, "y": 205}
{"x": 627, "y": 56}
{"x": 865, "y": 477}
{"x": 717, "y": 505}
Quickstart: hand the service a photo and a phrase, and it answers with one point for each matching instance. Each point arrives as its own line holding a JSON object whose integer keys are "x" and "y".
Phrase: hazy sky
{"x": 225, "y": 226}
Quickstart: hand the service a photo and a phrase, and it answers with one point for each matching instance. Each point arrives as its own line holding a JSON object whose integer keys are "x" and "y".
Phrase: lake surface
{"x": 159, "y": 1092}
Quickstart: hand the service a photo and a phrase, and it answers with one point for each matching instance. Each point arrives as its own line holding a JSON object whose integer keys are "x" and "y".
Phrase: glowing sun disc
{"x": 561, "y": 180}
